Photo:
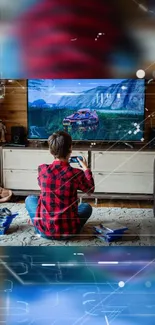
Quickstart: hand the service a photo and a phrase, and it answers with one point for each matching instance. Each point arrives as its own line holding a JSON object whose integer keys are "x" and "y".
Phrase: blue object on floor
{"x": 108, "y": 234}
{"x": 6, "y": 218}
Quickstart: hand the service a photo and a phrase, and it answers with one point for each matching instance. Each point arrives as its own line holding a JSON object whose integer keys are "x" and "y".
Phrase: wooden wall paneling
{"x": 14, "y": 107}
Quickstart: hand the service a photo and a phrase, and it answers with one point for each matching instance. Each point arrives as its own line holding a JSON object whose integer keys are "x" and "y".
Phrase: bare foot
{"x": 30, "y": 222}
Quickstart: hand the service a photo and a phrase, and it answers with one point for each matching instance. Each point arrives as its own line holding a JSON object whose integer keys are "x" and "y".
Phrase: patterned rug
{"x": 140, "y": 222}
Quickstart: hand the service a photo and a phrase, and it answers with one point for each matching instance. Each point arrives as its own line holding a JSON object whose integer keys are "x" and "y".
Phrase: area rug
{"x": 140, "y": 222}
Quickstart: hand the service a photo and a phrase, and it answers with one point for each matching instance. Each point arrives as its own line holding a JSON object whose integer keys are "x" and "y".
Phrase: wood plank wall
{"x": 13, "y": 110}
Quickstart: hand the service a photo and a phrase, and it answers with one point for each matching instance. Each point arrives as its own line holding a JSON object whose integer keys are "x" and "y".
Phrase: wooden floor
{"x": 115, "y": 203}
{"x": 124, "y": 204}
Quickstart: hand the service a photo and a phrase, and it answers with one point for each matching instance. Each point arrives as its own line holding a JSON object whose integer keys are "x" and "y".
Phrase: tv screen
{"x": 88, "y": 109}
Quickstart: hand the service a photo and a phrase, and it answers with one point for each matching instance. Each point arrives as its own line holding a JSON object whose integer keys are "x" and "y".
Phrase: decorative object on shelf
{"x": 2, "y": 132}
{"x": 2, "y": 89}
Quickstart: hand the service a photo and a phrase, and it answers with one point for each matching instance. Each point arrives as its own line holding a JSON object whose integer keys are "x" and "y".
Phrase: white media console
{"x": 116, "y": 173}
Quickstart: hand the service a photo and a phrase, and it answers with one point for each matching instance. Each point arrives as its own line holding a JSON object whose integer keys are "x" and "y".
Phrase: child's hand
{"x": 83, "y": 163}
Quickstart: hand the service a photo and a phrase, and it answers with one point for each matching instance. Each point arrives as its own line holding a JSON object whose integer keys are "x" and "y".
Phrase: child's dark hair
{"x": 60, "y": 144}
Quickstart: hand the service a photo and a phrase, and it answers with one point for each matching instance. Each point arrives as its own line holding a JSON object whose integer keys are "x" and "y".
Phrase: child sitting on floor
{"x": 55, "y": 213}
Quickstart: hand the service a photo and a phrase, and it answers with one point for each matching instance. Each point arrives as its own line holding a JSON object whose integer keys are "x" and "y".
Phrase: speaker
{"x": 17, "y": 135}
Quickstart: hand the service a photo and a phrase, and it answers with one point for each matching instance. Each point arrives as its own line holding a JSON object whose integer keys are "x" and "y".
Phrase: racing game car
{"x": 83, "y": 119}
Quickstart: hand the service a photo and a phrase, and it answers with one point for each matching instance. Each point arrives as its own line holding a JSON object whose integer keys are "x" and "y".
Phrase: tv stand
{"x": 14, "y": 145}
{"x": 118, "y": 173}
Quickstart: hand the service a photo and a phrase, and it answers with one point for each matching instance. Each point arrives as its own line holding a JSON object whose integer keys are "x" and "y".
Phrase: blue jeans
{"x": 84, "y": 213}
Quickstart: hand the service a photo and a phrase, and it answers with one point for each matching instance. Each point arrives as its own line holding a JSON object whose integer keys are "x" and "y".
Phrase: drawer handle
{"x": 101, "y": 153}
{"x": 100, "y": 174}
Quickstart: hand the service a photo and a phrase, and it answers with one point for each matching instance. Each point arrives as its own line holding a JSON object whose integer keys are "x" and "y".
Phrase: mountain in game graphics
{"x": 127, "y": 95}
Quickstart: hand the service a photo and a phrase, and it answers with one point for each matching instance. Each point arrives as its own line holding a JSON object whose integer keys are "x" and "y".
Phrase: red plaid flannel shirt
{"x": 57, "y": 211}
{"x": 59, "y": 38}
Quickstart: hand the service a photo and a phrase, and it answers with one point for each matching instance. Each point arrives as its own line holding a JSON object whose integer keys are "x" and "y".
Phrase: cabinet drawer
{"x": 30, "y": 159}
{"x": 126, "y": 162}
{"x": 20, "y": 180}
{"x": 25, "y": 159}
{"x": 123, "y": 183}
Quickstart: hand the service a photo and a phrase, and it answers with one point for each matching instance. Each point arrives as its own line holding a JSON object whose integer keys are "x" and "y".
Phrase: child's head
{"x": 60, "y": 145}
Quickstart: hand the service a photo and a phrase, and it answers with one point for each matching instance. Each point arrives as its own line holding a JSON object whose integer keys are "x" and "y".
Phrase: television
{"x": 88, "y": 109}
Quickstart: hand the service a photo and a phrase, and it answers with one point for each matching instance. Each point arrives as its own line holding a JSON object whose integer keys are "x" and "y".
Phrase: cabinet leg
{"x": 96, "y": 201}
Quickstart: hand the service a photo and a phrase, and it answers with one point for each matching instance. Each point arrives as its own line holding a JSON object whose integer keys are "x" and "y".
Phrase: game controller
{"x": 74, "y": 160}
